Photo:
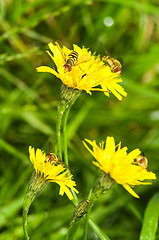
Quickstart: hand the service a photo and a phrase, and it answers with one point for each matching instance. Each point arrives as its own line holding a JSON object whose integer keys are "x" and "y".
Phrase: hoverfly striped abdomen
{"x": 142, "y": 161}
{"x": 72, "y": 59}
{"x": 53, "y": 159}
{"x": 114, "y": 64}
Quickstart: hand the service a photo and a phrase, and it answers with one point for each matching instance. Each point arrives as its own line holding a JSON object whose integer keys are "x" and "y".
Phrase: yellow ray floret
{"x": 86, "y": 72}
{"x": 52, "y": 173}
{"x": 119, "y": 164}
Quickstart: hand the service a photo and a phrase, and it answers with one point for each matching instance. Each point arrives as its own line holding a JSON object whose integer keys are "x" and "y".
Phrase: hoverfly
{"x": 71, "y": 61}
{"x": 53, "y": 159}
{"x": 114, "y": 64}
{"x": 142, "y": 161}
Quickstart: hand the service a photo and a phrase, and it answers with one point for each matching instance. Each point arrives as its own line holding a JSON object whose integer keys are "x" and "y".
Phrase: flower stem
{"x": 25, "y": 214}
{"x": 27, "y": 202}
{"x": 65, "y": 151}
{"x": 105, "y": 182}
{"x": 68, "y": 233}
{"x": 65, "y": 135}
{"x": 36, "y": 184}
{"x": 58, "y": 129}
{"x": 87, "y": 219}
{"x": 94, "y": 227}
{"x": 67, "y": 99}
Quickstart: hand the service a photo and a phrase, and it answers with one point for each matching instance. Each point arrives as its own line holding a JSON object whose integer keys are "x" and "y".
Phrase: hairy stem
{"x": 65, "y": 135}
{"x": 58, "y": 129}
{"x": 36, "y": 184}
{"x": 27, "y": 202}
{"x": 105, "y": 182}
{"x": 67, "y": 99}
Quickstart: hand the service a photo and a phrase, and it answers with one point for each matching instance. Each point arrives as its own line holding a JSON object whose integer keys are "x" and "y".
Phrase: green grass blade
{"x": 98, "y": 231}
{"x": 12, "y": 150}
{"x": 2, "y": 8}
{"x": 150, "y": 222}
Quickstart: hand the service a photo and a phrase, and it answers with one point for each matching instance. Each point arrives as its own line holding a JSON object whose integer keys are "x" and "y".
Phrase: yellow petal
{"x": 129, "y": 189}
{"x": 47, "y": 69}
{"x": 90, "y": 142}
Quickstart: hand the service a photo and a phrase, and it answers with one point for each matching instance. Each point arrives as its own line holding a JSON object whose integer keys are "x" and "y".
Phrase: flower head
{"x": 120, "y": 165}
{"x": 79, "y": 69}
{"x": 52, "y": 172}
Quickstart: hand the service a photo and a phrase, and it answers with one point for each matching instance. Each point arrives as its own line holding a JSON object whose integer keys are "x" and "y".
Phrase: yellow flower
{"x": 86, "y": 71}
{"x": 51, "y": 172}
{"x": 121, "y": 166}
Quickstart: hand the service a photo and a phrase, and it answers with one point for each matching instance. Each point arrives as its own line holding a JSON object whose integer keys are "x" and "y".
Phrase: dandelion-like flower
{"x": 120, "y": 165}
{"x": 79, "y": 69}
{"x": 46, "y": 170}
{"x": 51, "y": 172}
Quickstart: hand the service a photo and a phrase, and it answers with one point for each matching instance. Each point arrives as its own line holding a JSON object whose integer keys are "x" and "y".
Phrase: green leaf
{"x": 150, "y": 222}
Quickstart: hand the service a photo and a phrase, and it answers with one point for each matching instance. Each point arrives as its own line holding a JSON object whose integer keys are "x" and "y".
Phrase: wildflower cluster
{"x": 80, "y": 70}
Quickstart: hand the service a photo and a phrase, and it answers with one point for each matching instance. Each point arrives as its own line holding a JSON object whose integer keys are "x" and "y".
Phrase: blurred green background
{"x": 28, "y": 101}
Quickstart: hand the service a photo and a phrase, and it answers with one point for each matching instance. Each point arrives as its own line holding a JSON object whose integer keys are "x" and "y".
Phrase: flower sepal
{"x": 80, "y": 211}
{"x": 68, "y": 97}
{"x": 104, "y": 183}
{"x": 37, "y": 183}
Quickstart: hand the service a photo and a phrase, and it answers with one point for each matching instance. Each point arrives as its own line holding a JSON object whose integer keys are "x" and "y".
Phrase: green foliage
{"x": 28, "y": 106}
{"x": 150, "y": 222}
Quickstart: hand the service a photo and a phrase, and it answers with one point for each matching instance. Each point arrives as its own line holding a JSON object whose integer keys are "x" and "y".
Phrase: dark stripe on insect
{"x": 73, "y": 54}
{"x": 72, "y": 58}
{"x": 84, "y": 75}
